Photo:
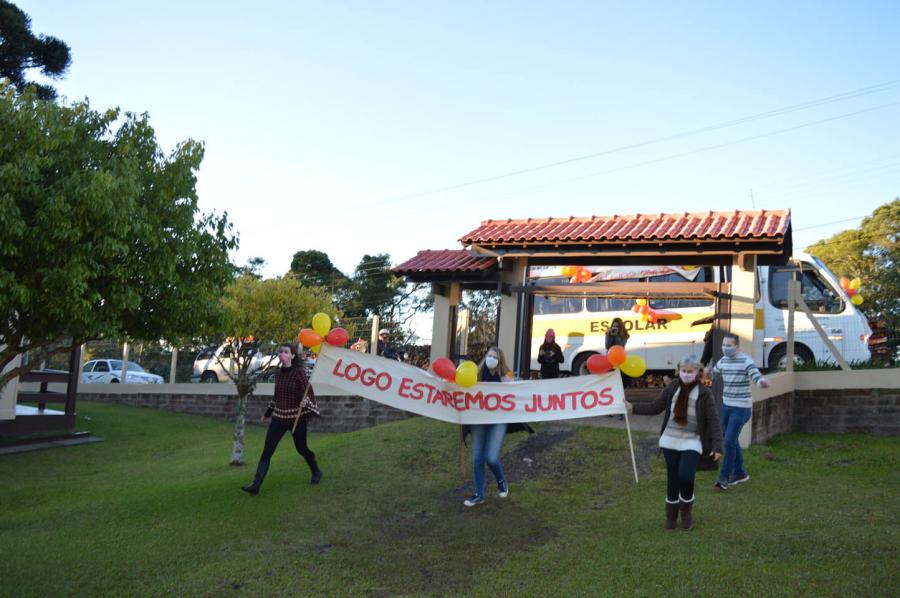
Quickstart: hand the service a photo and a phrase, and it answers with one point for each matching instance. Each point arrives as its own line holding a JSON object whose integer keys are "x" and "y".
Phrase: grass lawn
{"x": 156, "y": 509}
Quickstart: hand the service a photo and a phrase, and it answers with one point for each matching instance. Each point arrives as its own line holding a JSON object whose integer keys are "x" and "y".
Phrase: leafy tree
{"x": 261, "y": 314}
{"x": 21, "y": 50}
{"x": 872, "y": 253}
{"x": 375, "y": 290}
{"x": 253, "y": 268}
{"x": 100, "y": 232}
{"x": 482, "y": 306}
{"x": 314, "y": 268}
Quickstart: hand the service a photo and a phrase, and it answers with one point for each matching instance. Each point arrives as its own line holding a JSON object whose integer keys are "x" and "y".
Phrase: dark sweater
{"x": 290, "y": 384}
{"x": 550, "y": 356}
{"x": 708, "y": 425}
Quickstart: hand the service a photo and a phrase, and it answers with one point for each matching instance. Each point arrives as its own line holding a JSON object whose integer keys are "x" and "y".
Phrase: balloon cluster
{"x": 577, "y": 274}
{"x": 648, "y": 314}
{"x": 630, "y": 365}
{"x": 851, "y": 287}
{"x": 321, "y": 330}
{"x": 466, "y": 375}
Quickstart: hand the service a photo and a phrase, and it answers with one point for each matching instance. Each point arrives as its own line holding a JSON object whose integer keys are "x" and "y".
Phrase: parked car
{"x": 109, "y": 371}
{"x": 212, "y": 364}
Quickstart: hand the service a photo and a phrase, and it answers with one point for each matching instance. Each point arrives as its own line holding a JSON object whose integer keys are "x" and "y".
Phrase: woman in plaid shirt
{"x": 287, "y": 402}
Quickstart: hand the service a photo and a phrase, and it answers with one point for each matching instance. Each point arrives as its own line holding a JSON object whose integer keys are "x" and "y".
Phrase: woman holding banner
{"x": 690, "y": 428}
{"x": 488, "y": 438}
{"x": 292, "y": 397}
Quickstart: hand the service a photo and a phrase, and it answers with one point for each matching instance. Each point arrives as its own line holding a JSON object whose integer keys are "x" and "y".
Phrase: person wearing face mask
{"x": 690, "y": 429}
{"x": 488, "y": 438}
{"x": 287, "y": 403}
{"x": 737, "y": 371}
{"x": 550, "y": 356}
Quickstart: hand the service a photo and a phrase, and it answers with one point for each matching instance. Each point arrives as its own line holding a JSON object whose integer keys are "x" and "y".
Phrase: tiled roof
{"x": 444, "y": 260}
{"x": 700, "y": 226}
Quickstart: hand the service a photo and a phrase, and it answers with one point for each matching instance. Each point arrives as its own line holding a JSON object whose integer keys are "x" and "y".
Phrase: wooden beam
{"x": 626, "y": 289}
{"x": 834, "y": 352}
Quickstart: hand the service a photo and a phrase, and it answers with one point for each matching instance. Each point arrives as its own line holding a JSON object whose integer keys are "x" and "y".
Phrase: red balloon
{"x": 616, "y": 355}
{"x": 338, "y": 337}
{"x": 598, "y": 364}
{"x": 309, "y": 337}
{"x": 851, "y": 292}
{"x": 444, "y": 368}
{"x": 653, "y": 317}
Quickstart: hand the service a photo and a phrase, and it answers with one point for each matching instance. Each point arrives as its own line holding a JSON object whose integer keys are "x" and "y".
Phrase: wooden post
{"x": 173, "y": 364}
{"x": 373, "y": 347}
{"x": 793, "y": 293}
{"x": 124, "y": 361}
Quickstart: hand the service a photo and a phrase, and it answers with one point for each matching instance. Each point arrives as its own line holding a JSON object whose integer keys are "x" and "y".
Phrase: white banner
{"x": 418, "y": 391}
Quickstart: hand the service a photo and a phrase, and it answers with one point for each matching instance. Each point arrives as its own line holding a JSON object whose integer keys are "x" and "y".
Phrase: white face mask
{"x": 687, "y": 377}
{"x": 729, "y": 351}
{"x": 491, "y": 362}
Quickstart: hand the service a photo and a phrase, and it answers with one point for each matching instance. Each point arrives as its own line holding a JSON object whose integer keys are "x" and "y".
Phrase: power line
{"x": 881, "y": 87}
{"x": 692, "y": 152}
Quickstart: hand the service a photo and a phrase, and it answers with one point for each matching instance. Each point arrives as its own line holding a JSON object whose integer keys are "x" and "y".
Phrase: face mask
{"x": 285, "y": 358}
{"x": 729, "y": 351}
{"x": 687, "y": 377}
{"x": 491, "y": 362}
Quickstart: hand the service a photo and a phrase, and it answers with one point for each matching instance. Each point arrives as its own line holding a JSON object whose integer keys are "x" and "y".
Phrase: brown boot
{"x": 671, "y": 514}
{"x": 686, "y": 519}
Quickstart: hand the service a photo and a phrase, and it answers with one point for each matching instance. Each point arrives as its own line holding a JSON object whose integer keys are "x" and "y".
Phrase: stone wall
{"x": 867, "y": 411}
{"x": 339, "y": 414}
{"x": 771, "y": 416}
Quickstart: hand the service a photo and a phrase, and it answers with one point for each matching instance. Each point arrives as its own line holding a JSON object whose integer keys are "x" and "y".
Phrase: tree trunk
{"x": 237, "y": 453}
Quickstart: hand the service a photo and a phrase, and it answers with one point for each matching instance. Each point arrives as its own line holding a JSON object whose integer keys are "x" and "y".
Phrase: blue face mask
{"x": 729, "y": 351}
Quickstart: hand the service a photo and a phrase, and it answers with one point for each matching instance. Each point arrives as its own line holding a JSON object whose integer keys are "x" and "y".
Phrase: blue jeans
{"x": 733, "y": 419}
{"x": 486, "y": 442}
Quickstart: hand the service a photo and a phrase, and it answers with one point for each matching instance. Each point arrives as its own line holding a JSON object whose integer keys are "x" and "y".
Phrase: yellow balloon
{"x": 316, "y": 349}
{"x": 468, "y": 366}
{"x": 855, "y": 284}
{"x": 321, "y": 323}
{"x": 633, "y": 366}
{"x": 641, "y": 301}
{"x": 466, "y": 378}
{"x": 856, "y": 300}
{"x": 645, "y": 317}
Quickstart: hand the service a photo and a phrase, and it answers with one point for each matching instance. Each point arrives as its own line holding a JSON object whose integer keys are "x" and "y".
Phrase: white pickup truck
{"x": 212, "y": 364}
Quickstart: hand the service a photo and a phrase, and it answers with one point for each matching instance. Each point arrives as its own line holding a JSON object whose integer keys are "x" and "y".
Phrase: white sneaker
{"x": 503, "y": 489}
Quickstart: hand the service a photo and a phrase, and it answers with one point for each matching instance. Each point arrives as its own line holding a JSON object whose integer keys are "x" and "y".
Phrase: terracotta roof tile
{"x": 699, "y": 226}
{"x": 444, "y": 260}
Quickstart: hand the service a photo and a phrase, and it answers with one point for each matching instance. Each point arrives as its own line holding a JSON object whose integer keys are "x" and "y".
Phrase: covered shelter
{"x": 498, "y": 253}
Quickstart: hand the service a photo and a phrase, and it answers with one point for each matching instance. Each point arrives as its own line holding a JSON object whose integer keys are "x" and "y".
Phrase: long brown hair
{"x": 501, "y": 362}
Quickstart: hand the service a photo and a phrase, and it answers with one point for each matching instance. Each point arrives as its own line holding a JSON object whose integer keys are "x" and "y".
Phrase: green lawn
{"x": 156, "y": 509}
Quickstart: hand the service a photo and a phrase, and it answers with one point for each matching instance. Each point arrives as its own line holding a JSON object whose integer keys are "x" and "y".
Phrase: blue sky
{"x": 329, "y": 125}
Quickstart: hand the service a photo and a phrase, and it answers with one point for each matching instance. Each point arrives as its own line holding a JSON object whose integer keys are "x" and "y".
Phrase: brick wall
{"x": 339, "y": 414}
{"x": 869, "y": 411}
{"x": 772, "y": 416}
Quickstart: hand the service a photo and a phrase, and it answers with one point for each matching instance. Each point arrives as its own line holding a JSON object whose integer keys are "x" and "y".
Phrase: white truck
{"x": 212, "y": 364}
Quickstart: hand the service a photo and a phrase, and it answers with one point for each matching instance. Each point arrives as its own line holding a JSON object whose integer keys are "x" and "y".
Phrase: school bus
{"x": 580, "y": 323}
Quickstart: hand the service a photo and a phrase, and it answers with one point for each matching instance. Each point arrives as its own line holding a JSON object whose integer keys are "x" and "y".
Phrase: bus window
{"x": 680, "y": 303}
{"x": 544, "y": 305}
{"x": 603, "y": 304}
{"x": 815, "y": 292}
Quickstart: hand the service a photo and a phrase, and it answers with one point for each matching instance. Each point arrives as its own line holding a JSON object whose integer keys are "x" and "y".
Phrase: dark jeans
{"x": 681, "y": 467}
{"x": 277, "y": 429}
{"x": 733, "y": 420}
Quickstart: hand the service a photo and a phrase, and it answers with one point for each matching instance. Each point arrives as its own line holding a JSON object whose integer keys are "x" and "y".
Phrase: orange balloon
{"x": 616, "y": 355}
{"x": 569, "y": 271}
{"x": 309, "y": 337}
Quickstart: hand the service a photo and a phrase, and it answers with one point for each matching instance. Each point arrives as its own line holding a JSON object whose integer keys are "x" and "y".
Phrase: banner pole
{"x": 302, "y": 401}
{"x": 462, "y": 455}
{"x": 631, "y": 446}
